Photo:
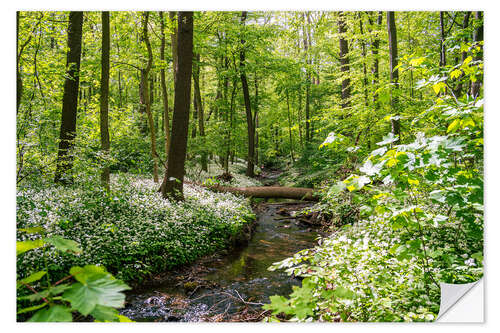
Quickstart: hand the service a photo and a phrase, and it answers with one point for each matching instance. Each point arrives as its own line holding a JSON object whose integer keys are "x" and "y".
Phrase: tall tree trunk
{"x": 375, "y": 67}
{"x": 166, "y": 120}
{"x": 147, "y": 99}
{"x": 173, "y": 39}
{"x": 70, "y": 99}
{"x": 199, "y": 108}
{"x": 289, "y": 126}
{"x": 465, "y": 24}
{"x": 363, "y": 54}
{"x": 255, "y": 121}
{"x": 104, "y": 98}
{"x": 174, "y": 175}
{"x": 394, "y": 73}
{"x": 344, "y": 62}
{"x": 19, "y": 81}
{"x": 478, "y": 37}
{"x": 442, "y": 48}
{"x": 248, "y": 107}
{"x": 308, "y": 78}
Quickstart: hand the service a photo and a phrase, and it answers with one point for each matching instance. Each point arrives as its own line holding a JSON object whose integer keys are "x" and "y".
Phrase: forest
{"x": 260, "y": 166}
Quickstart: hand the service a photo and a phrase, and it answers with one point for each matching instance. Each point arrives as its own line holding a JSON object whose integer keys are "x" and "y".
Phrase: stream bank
{"x": 228, "y": 287}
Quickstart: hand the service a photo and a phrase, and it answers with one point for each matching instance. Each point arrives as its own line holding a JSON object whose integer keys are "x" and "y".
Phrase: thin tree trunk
{"x": 174, "y": 175}
{"x": 478, "y": 37}
{"x": 104, "y": 98}
{"x": 394, "y": 73}
{"x": 465, "y": 24}
{"x": 344, "y": 62}
{"x": 173, "y": 38}
{"x": 363, "y": 54}
{"x": 308, "y": 79}
{"x": 289, "y": 126}
{"x": 166, "y": 120}
{"x": 375, "y": 67}
{"x": 199, "y": 108}
{"x": 248, "y": 107}
{"x": 70, "y": 99}
{"x": 442, "y": 48}
{"x": 147, "y": 98}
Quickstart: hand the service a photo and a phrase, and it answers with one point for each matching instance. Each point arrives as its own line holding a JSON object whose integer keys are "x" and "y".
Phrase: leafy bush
{"x": 132, "y": 231}
{"x": 96, "y": 292}
{"x": 422, "y": 205}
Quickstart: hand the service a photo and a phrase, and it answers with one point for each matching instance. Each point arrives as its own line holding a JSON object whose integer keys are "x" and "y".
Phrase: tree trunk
{"x": 375, "y": 67}
{"x": 175, "y": 57}
{"x": 174, "y": 175}
{"x": 465, "y": 24}
{"x": 363, "y": 54}
{"x": 19, "y": 81}
{"x": 104, "y": 98}
{"x": 70, "y": 99}
{"x": 394, "y": 74}
{"x": 248, "y": 107}
{"x": 478, "y": 37}
{"x": 147, "y": 98}
{"x": 442, "y": 49}
{"x": 289, "y": 127}
{"x": 199, "y": 108}
{"x": 300, "y": 193}
{"x": 166, "y": 120}
{"x": 308, "y": 79}
{"x": 344, "y": 62}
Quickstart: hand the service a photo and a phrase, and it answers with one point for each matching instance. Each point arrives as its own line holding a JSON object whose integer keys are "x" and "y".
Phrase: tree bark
{"x": 344, "y": 62}
{"x": 300, "y": 193}
{"x": 465, "y": 24}
{"x": 70, "y": 99}
{"x": 375, "y": 67}
{"x": 174, "y": 175}
{"x": 166, "y": 120}
{"x": 363, "y": 54}
{"x": 478, "y": 37}
{"x": 442, "y": 49}
{"x": 104, "y": 97}
{"x": 199, "y": 108}
{"x": 147, "y": 98}
{"x": 394, "y": 74}
{"x": 289, "y": 126}
{"x": 308, "y": 78}
{"x": 173, "y": 39}
{"x": 248, "y": 107}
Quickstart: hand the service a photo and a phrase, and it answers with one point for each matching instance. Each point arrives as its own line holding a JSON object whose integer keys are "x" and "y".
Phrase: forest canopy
{"x": 127, "y": 122}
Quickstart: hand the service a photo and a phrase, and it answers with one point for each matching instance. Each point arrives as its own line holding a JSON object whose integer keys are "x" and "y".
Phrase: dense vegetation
{"x": 380, "y": 112}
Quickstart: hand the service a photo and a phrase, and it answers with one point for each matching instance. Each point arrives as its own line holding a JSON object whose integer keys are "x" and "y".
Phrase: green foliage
{"x": 96, "y": 293}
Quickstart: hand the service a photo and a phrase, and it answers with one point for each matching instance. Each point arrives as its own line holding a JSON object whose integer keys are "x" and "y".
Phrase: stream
{"x": 228, "y": 287}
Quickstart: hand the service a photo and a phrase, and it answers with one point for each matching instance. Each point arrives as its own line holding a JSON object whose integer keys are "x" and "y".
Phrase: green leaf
{"x": 345, "y": 293}
{"x": 63, "y": 244}
{"x": 98, "y": 289}
{"x": 81, "y": 274}
{"x": 32, "y": 278}
{"x": 24, "y": 246}
{"x": 104, "y": 313}
{"x": 389, "y": 138}
{"x": 124, "y": 319}
{"x": 33, "y": 230}
{"x": 32, "y": 308}
{"x": 452, "y": 128}
{"x": 56, "y": 313}
{"x": 279, "y": 304}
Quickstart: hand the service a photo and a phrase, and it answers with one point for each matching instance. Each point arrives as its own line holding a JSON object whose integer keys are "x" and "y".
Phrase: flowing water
{"x": 232, "y": 287}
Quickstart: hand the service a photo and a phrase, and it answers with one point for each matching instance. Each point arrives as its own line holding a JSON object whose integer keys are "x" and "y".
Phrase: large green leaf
{"x": 98, "y": 289}
{"x": 24, "y": 246}
{"x": 32, "y": 278}
{"x": 56, "y": 313}
{"x": 32, "y": 308}
{"x": 279, "y": 304}
{"x": 81, "y": 274}
{"x": 105, "y": 313}
{"x": 63, "y": 244}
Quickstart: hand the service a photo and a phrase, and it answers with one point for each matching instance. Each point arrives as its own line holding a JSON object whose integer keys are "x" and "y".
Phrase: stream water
{"x": 229, "y": 287}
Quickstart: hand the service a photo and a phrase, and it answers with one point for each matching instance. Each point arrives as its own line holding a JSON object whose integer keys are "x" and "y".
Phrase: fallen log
{"x": 300, "y": 193}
